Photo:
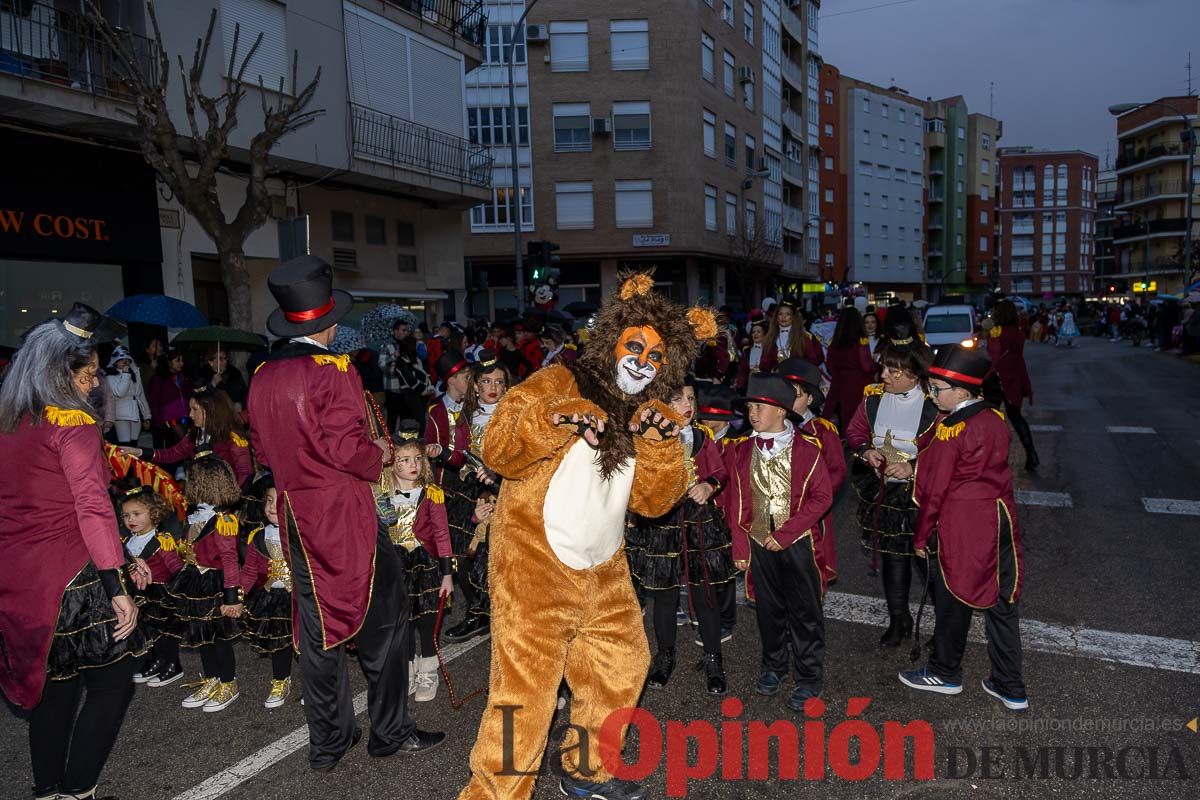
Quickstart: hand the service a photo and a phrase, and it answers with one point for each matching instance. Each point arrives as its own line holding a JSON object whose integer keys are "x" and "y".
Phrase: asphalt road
{"x": 1111, "y": 628}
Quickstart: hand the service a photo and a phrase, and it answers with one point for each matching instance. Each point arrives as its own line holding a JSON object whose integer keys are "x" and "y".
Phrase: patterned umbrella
{"x": 347, "y": 340}
{"x": 158, "y": 309}
{"x": 376, "y": 324}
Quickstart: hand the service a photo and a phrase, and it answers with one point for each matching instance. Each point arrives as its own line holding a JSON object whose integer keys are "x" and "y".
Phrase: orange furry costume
{"x": 563, "y": 605}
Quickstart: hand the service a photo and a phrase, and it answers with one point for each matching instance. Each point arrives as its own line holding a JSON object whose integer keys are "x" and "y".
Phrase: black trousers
{"x": 218, "y": 660}
{"x": 897, "y": 571}
{"x": 69, "y": 751}
{"x": 424, "y": 634}
{"x": 787, "y": 588}
{"x": 281, "y": 664}
{"x": 384, "y": 648}
{"x": 666, "y": 631}
{"x": 166, "y": 650}
{"x": 1001, "y": 621}
{"x": 472, "y": 597}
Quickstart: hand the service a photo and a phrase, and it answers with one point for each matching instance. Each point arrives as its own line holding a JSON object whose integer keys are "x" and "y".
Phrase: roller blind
{"x": 252, "y": 17}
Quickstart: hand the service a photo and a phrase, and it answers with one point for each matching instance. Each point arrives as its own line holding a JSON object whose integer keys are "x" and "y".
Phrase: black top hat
{"x": 485, "y": 361}
{"x": 714, "y": 401}
{"x": 799, "y": 370}
{"x": 407, "y": 430}
{"x": 308, "y": 303}
{"x": 82, "y": 321}
{"x": 788, "y": 301}
{"x": 450, "y": 363}
{"x": 960, "y": 366}
{"x": 900, "y": 337}
{"x": 774, "y": 390}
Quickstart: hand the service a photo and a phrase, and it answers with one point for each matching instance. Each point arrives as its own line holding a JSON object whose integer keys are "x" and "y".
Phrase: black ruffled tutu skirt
{"x": 479, "y": 570}
{"x": 195, "y": 598}
{"x": 267, "y": 620}
{"x": 460, "y": 508}
{"x": 83, "y": 635}
{"x": 155, "y": 617}
{"x": 887, "y": 524}
{"x": 424, "y": 580}
{"x": 689, "y": 545}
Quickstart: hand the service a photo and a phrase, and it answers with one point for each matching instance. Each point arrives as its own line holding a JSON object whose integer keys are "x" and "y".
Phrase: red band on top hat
{"x": 768, "y": 400}
{"x": 456, "y": 368}
{"x": 956, "y": 376}
{"x": 308, "y": 316}
{"x": 712, "y": 410}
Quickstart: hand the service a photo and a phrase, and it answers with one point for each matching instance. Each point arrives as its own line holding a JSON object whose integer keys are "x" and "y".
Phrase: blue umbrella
{"x": 158, "y": 309}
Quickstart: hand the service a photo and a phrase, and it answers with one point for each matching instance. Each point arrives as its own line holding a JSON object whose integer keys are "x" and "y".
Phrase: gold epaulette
{"x": 947, "y": 432}
{"x": 921, "y": 336}
{"x": 728, "y": 440}
{"x": 227, "y": 525}
{"x": 342, "y": 362}
{"x": 253, "y": 533}
{"x": 826, "y": 423}
{"x": 864, "y": 341}
{"x": 435, "y": 494}
{"x": 873, "y": 389}
{"x": 813, "y": 440}
{"x": 238, "y": 440}
{"x": 707, "y": 431}
{"x": 570, "y": 346}
{"x": 65, "y": 418}
{"x": 995, "y": 331}
{"x": 1000, "y": 414}
{"x": 166, "y": 542}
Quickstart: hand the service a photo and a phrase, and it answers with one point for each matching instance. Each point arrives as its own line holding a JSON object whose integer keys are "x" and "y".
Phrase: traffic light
{"x": 543, "y": 262}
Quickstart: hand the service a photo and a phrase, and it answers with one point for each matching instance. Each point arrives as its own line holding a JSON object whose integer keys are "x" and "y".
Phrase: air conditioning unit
{"x": 602, "y": 126}
{"x": 745, "y": 74}
{"x": 537, "y": 33}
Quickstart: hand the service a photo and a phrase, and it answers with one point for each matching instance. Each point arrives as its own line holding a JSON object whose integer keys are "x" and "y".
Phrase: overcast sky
{"x": 1057, "y": 64}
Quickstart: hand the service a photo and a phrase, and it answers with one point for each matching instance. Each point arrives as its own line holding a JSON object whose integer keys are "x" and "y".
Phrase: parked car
{"x": 950, "y": 324}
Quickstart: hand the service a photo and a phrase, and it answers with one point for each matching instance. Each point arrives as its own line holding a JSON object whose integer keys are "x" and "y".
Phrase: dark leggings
{"x": 218, "y": 660}
{"x": 462, "y": 579}
{"x": 281, "y": 664}
{"x": 166, "y": 650}
{"x": 424, "y": 633}
{"x": 1020, "y": 426}
{"x": 68, "y": 751}
{"x": 666, "y": 603}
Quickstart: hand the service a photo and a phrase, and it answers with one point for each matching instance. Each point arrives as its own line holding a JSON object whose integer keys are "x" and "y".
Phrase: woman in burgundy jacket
{"x": 1006, "y": 348}
{"x": 851, "y": 367}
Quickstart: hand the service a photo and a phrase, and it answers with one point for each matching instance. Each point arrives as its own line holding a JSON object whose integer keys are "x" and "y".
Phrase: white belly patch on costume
{"x": 585, "y": 514}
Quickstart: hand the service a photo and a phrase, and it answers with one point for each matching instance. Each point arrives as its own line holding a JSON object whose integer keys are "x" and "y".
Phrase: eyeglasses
{"x": 936, "y": 390}
{"x": 886, "y": 370}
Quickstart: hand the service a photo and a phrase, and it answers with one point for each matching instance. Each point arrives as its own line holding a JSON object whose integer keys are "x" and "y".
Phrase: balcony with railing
{"x": 794, "y": 170}
{"x": 63, "y": 56}
{"x": 1152, "y": 191}
{"x": 1131, "y": 158}
{"x": 793, "y": 219}
{"x": 433, "y": 161}
{"x": 794, "y": 73}
{"x": 793, "y": 24}
{"x": 795, "y": 264}
{"x": 793, "y": 120}
{"x": 1155, "y": 227}
{"x": 463, "y": 18}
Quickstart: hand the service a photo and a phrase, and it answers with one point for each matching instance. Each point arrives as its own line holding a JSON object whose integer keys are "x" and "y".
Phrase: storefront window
{"x": 32, "y": 291}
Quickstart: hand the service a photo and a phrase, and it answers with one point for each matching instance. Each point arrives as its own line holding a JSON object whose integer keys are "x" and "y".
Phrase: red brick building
{"x": 1047, "y": 213}
{"x": 833, "y": 221}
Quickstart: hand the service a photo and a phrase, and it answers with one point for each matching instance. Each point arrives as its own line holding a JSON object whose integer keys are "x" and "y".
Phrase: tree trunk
{"x": 236, "y": 278}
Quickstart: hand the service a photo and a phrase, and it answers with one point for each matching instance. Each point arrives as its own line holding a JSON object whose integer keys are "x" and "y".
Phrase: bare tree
{"x": 753, "y": 257}
{"x": 188, "y": 163}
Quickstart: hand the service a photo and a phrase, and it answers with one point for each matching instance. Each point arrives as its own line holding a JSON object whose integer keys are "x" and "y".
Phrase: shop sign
{"x": 651, "y": 240}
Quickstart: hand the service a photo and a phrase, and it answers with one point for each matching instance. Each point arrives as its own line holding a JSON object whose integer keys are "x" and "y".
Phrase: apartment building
{"x": 1047, "y": 221}
{"x": 1106, "y": 200}
{"x": 982, "y": 170}
{"x": 378, "y": 184}
{"x": 1156, "y": 169}
{"x": 656, "y": 137}
{"x": 834, "y": 181}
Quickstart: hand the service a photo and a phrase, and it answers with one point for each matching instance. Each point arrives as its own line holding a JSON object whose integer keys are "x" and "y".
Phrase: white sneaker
{"x": 412, "y": 676}
{"x": 225, "y": 694}
{"x": 279, "y": 693}
{"x": 201, "y": 695}
{"x": 426, "y": 681}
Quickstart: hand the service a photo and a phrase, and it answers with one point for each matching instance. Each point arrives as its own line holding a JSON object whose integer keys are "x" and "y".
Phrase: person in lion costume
{"x": 578, "y": 445}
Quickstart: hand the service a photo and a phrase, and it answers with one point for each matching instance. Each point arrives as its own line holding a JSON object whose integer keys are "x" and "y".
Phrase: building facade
{"x": 884, "y": 160}
{"x": 706, "y": 182}
{"x": 1155, "y": 172}
{"x": 1106, "y": 200}
{"x": 378, "y": 184}
{"x": 835, "y": 266}
{"x": 982, "y": 168}
{"x": 1047, "y": 221}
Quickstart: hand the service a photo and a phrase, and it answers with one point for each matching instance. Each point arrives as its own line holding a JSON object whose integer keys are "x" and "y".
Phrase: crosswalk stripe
{"x": 1163, "y": 505}
{"x": 1129, "y": 429}
{"x": 1052, "y": 499}
{"x": 229, "y": 779}
{"x": 1045, "y": 428}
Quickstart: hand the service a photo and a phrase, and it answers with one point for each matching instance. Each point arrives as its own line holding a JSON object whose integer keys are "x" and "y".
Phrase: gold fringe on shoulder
{"x": 813, "y": 440}
{"x": 65, "y": 418}
{"x": 707, "y": 430}
{"x": 166, "y": 542}
{"x": 947, "y": 432}
{"x": 995, "y": 331}
{"x": 238, "y": 440}
{"x": 435, "y": 494}
{"x": 864, "y": 341}
{"x": 826, "y": 423}
{"x": 227, "y": 525}
{"x": 873, "y": 389}
{"x": 342, "y": 362}
{"x": 1000, "y": 413}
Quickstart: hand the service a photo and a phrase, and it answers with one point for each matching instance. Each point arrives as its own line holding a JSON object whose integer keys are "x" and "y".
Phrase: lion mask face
{"x": 639, "y": 354}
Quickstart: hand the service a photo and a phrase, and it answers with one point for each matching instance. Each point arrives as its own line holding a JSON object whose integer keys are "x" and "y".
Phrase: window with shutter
{"x": 270, "y": 61}
{"x": 634, "y": 204}
{"x": 572, "y": 127}
{"x": 631, "y": 126}
{"x": 568, "y": 47}
{"x": 574, "y": 205}
{"x": 630, "y": 44}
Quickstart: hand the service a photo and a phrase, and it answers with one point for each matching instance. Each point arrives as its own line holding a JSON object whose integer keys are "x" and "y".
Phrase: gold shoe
{"x": 225, "y": 694}
{"x": 201, "y": 695}
{"x": 279, "y": 693}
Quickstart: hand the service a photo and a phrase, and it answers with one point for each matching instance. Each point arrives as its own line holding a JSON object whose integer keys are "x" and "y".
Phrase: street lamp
{"x": 1188, "y": 137}
{"x": 513, "y": 134}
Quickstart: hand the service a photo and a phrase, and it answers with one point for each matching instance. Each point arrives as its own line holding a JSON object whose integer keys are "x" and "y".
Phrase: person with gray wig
{"x": 67, "y": 621}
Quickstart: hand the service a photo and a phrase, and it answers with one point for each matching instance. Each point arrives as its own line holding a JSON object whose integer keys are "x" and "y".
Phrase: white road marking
{"x": 1155, "y": 652}
{"x": 229, "y": 779}
{"x": 1128, "y": 429}
{"x": 1045, "y": 428}
{"x": 1163, "y": 505}
{"x": 1051, "y": 499}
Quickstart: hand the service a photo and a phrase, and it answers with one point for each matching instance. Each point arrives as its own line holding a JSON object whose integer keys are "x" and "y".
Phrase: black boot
{"x": 899, "y": 628}
{"x": 661, "y": 668}
{"x": 714, "y": 672}
{"x": 1025, "y": 435}
{"x": 469, "y": 628}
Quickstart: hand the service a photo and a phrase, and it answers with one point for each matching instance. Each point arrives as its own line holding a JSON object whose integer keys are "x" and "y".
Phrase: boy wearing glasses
{"x": 964, "y": 490}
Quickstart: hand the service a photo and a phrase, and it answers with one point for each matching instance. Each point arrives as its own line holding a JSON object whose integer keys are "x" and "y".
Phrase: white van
{"x": 950, "y": 324}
